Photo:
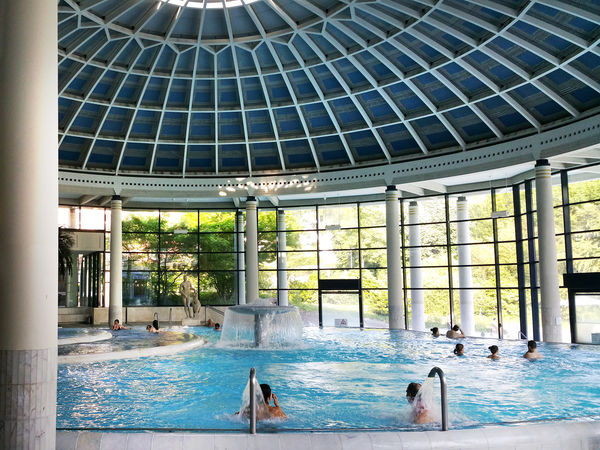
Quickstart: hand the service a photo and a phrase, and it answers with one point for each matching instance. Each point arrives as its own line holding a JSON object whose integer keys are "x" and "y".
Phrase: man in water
{"x": 455, "y": 333}
{"x": 435, "y": 332}
{"x": 420, "y": 413}
{"x": 266, "y": 411}
{"x": 532, "y": 352}
{"x": 270, "y": 412}
{"x": 117, "y": 326}
{"x": 211, "y": 324}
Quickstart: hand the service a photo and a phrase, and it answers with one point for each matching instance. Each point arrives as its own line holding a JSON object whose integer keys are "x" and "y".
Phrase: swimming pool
{"x": 340, "y": 379}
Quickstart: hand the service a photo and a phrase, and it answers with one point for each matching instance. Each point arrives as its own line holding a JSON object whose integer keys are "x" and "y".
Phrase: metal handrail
{"x": 252, "y": 401}
{"x": 444, "y": 399}
{"x": 522, "y": 335}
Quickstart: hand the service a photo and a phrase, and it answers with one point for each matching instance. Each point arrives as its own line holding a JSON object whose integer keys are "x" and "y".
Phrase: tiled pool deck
{"x": 581, "y": 435}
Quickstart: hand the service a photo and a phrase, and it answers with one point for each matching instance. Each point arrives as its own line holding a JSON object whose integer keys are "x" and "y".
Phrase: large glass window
{"x": 348, "y": 240}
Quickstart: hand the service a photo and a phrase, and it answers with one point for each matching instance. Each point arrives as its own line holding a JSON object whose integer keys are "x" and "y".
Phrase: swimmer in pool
{"x": 271, "y": 412}
{"x": 215, "y": 325}
{"x": 435, "y": 332}
{"x": 266, "y": 411}
{"x": 459, "y": 350}
{"x": 532, "y": 352}
{"x": 117, "y": 326}
{"x": 151, "y": 329}
{"x": 455, "y": 333}
{"x": 494, "y": 352}
{"x": 419, "y": 411}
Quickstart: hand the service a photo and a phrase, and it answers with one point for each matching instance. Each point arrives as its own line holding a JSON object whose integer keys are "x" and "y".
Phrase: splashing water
{"x": 258, "y": 397}
{"x": 427, "y": 403}
{"x": 261, "y": 326}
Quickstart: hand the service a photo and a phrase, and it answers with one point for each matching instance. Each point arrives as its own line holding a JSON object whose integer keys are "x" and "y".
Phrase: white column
{"x": 115, "y": 309}
{"x": 28, "y": 229}
{"x": 550, "y": 296}
{"x": 282, "y": 283}
{"x": 251, "y": 250}
{"x": 416, "y": 274}
{"x": 394, "y": 259}
{"x": 71, "y": 278}
{"x": 73, "y": 216}
{"x": 239, "y": 241}
{"x": 465, "y": 275}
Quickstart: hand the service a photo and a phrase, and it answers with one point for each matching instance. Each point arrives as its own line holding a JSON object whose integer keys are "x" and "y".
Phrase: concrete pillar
{"x": 73, "y": 217}
{"x": 239, "y": 245}
{"x": 394, "y": 259}
{"x": 71, "y": 278}
{"x": 282, "y": 283}
{"x": 251, "y": 250}
{"x": 28, "y": 229}
{"x": 115, "y": 308}
{"x": 465, "y": 274}
{"x": 551, "y": 320}
{"x": 416, "y": 273}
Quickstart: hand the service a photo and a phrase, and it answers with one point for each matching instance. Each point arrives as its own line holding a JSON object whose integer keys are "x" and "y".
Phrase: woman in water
{"x": 419, "y": 410}
{"x": 459, "y": 350}
{"x": 494, "y": 352}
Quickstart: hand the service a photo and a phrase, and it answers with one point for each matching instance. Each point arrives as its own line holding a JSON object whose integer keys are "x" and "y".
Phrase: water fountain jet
{"x": 261, "y": 325}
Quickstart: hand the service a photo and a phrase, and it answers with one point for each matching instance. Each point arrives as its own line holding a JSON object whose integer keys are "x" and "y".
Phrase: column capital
{"x": 391, "y": 188}
{"x": 250, "y": 198}
{"x": 542, "y": 162}
{"x": 413, "y": 203}
{"x": 462, "y": 198}
{"x": 116, "y": 198}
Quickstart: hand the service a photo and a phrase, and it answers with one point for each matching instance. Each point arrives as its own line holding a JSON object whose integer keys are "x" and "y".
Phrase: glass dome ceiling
{"x": 205, "y": 87}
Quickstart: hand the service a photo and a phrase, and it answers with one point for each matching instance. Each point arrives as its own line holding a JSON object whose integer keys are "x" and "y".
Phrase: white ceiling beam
{"x": 576, "y": 9}
{"x": 324, "y": 102}
{"x": 238, "y": 81}
{"x": 137, "y": 106}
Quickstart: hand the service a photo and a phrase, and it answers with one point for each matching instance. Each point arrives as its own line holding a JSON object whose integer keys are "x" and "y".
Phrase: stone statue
{"x": 186, "y": 289}
{"x": 196, "y": 305}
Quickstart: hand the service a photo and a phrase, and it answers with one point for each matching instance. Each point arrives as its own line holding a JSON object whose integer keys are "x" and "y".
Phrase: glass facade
{"x": 347, "y": 240}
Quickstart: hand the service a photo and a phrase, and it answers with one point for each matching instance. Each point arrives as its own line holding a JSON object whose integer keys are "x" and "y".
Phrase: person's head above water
{"x": 411, "y": 391}
{"x": 435, "y": 331}
{"x": 116, "y": 322}
{"x": 217, "y": 326}
{"x": 266, "y": 391}
{"x": 459, "y": 349}
{"x": 531, "y": 345}
{"x": 456, "y": 328}
{"x": 493, "y": 349}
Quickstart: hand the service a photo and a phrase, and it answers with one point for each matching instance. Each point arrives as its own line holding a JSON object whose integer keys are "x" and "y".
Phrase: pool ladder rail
{"x": 252, "y": 401}
{"x": 444, "y": 397}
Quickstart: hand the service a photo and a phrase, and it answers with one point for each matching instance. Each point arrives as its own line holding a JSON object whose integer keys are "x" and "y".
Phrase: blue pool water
{"x": 338, "y": 379}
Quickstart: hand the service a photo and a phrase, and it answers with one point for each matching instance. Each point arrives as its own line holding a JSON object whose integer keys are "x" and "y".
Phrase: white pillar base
{"x": 28, "y": 406}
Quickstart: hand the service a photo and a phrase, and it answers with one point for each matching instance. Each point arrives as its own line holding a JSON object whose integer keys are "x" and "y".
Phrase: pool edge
{"x": 548, "y": 435}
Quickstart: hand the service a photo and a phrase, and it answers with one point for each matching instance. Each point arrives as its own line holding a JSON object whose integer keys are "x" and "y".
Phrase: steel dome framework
{"x": 168, "y": 88}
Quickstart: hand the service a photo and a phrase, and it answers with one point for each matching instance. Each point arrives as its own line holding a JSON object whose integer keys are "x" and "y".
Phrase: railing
{"x": 212, "y": 308}
{"x": 252, "y": 401}
{"x": 522, "y": 335}
{"x": 444, "y": 399}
